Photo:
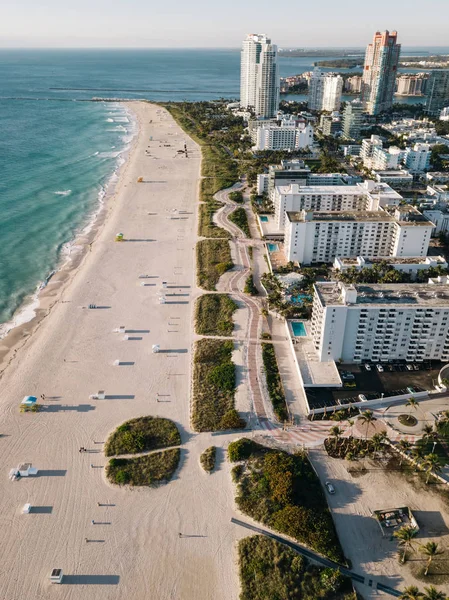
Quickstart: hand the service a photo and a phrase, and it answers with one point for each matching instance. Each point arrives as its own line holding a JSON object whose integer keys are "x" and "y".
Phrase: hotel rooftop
{"x": 338, "y": 215}
{"x": 406, "y": 294}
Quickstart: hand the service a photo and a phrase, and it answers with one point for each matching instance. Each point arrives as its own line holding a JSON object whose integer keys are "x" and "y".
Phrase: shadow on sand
{"x": 91, "y": 579}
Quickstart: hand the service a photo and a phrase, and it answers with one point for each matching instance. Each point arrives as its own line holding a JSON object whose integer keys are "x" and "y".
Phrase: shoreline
{"x": 38, "y": 305}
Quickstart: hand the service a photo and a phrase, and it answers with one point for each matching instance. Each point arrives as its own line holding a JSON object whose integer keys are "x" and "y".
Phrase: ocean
{"x": 58, "y": 154}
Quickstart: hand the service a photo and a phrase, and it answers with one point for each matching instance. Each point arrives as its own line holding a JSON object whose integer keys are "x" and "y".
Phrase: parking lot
{"x": 392, "y": 381}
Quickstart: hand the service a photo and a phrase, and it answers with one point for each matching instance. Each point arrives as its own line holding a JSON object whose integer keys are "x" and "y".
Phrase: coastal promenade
{"x": 134, "y": 548}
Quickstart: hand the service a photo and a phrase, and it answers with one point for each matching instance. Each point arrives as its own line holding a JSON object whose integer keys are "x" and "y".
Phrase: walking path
{"x": 307, "y": 433}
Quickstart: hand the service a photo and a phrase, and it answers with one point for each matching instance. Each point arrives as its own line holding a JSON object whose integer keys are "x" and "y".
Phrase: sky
{"x": 212, "y": 23}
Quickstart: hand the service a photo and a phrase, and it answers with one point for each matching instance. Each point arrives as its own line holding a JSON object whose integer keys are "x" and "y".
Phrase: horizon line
{"x": 305, "y": 48}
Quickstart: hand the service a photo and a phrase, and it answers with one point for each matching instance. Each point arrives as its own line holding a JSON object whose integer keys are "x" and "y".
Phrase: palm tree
{"x": 431, "y": 593}
{"x": 405, "y": 536}
{"x": 336, "y": 433}
{"x": 431, "y": 465}
{"x": 413, "y": 403}
{"x": 377, "y": 440}
{"x": 403, "y": 446}
{"x": 367, "y": 418}
{"x": 411, "y": 593}
{"x": 431, "y": 549}
{"x": 351, "y": 425}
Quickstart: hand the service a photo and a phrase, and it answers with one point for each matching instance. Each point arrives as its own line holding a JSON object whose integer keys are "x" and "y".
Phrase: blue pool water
{"x": 298, "y": 329}
{"x": 264, "y": 219}
{"x": 273, "y": 247}
{"x": 299, "y": 298}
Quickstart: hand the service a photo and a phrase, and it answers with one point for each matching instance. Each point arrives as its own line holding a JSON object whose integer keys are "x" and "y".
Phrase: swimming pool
{"x": 299, "y": 298}
{"x": 298, "y": 329}
{"x": 264, "y": 219}
{"x": 273, "y": 247}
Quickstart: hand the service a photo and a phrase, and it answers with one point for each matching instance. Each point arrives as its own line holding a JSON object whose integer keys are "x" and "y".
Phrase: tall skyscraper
{"x": 352, "y": 120}
{"x": 259, "y": 76}
{"x": 379, "y": 73}
{"x": 437, "y": 92}
{"x": 325, "y": 91}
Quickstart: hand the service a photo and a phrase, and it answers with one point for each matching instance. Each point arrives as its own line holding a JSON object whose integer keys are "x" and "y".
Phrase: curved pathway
{"x": 310, "y": 433}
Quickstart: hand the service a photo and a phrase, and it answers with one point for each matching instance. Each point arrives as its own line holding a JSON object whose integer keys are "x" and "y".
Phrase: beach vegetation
{"x": 213, "y": 314}
{"x": 250, "y": 288}
{"x": 213, "y": 257}
{"x": 269, "y": 570}
{"x": 141, "y": 435}
{"x": 207, "y": 459}
{"x": 274, "y": 383}
{"x": 150, "y": 469}
{"x": 206, "y": 226}
{"x": 282, "y": 491}
{"x": 214, "y": 387}
{"x": 236, "y": 196}
{"x": 240, "y": 218}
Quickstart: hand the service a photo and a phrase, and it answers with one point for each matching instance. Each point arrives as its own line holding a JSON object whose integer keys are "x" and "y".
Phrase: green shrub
{"x": 274, "y": 383}
{"x": 142, "y": 434}
{"x": 240, "y": 218}
{"x": 236, "y": 197}
{"x": 214, "y": 386}
{"x": 207, "y": 459}
{"x": 223, "y": 377}
{"x": 213, "y": 314}
{"x": 241, "y": 449}
{"x": 283, "y": 492}
{"x": 250, "y": 288}
{"x": 213, "y": 259}
{"x": 271, "y": 571}
{"x": 146, "y": 470}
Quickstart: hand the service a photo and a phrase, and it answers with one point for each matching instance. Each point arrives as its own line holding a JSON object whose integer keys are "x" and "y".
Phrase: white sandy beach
{"x": 137, "y": 553}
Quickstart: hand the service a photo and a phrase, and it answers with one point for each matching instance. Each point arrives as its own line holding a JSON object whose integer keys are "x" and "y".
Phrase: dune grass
{"x": 213, "y": 258}
{"x": 214, "y": 387}
{"x": 207, "y": 459}
{"x": 142, "y": 434}
{"x": 213, "y": 314}
{"x": 148, "y": 470}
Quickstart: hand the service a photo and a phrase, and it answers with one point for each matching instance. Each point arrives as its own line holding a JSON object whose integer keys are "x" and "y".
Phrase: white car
{"x": 330, "y": 488}
{"x": 368, "y": 367}
{"x": 380, "y": 368}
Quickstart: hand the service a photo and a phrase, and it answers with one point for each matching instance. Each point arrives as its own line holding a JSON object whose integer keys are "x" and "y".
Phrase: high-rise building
{"x": 437, "y": 92}
{"x": 352, "y": 120}
{"x": 259, "y": 76}
{"x": 379, "y": 73}
{"x": 325, "y": 91}
{"x": 412, "y": 85}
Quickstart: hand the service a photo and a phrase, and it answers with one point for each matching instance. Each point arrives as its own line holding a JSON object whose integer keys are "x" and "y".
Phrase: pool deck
{"x": 311, "y": 370}
{"x": 270, "y": 228}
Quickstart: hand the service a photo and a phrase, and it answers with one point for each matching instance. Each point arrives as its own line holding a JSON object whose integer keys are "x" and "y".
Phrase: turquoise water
{"x": 57, "y": 153}
{"x": 273, "y": 247}
{"x": 298, "y": 329}
{"x": 299, "y": 298}
{"x": 264, "y": 219}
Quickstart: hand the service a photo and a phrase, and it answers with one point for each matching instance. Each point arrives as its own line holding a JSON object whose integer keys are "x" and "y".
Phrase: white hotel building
{"x": 319, "y": 237}
{"x": 287, "y": 134}
{"x": 381, "y": 322}
{"x": 295, "y": 197}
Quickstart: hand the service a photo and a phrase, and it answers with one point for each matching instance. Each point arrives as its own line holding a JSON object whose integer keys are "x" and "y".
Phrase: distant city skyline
{"x": 139, "y": 24}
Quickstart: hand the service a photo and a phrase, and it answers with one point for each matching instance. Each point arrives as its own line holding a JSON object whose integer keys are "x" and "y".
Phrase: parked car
{"x": 363, "y": 398}
{"x": 368, "y": 367}
{"x": 409, "y": 367}
{"x": 330, "y": 488}
{"x": 380, "y": 368}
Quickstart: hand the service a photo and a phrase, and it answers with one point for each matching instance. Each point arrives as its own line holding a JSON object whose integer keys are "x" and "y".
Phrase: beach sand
{"x": 137, "y": 552}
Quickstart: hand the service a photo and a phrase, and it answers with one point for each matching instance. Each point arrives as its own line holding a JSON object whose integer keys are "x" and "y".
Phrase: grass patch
{"x": 250, "y": 288}
{"x": 150, "y": 469}
{"x": 408, "y": 420}
{"x": 214, "y": 387}
{"x": 274, "y": 383}
{"x": 213, "y": 314}
{"x": 207, "y": 459}
{"x": 283, "y": 492}
{"x": 213, "y": 258}
{"x": 240, "y": 218}
{"x": 206, "y": 226}
{"x": 142, "y": 434}
{"x": 270, "y": 571}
